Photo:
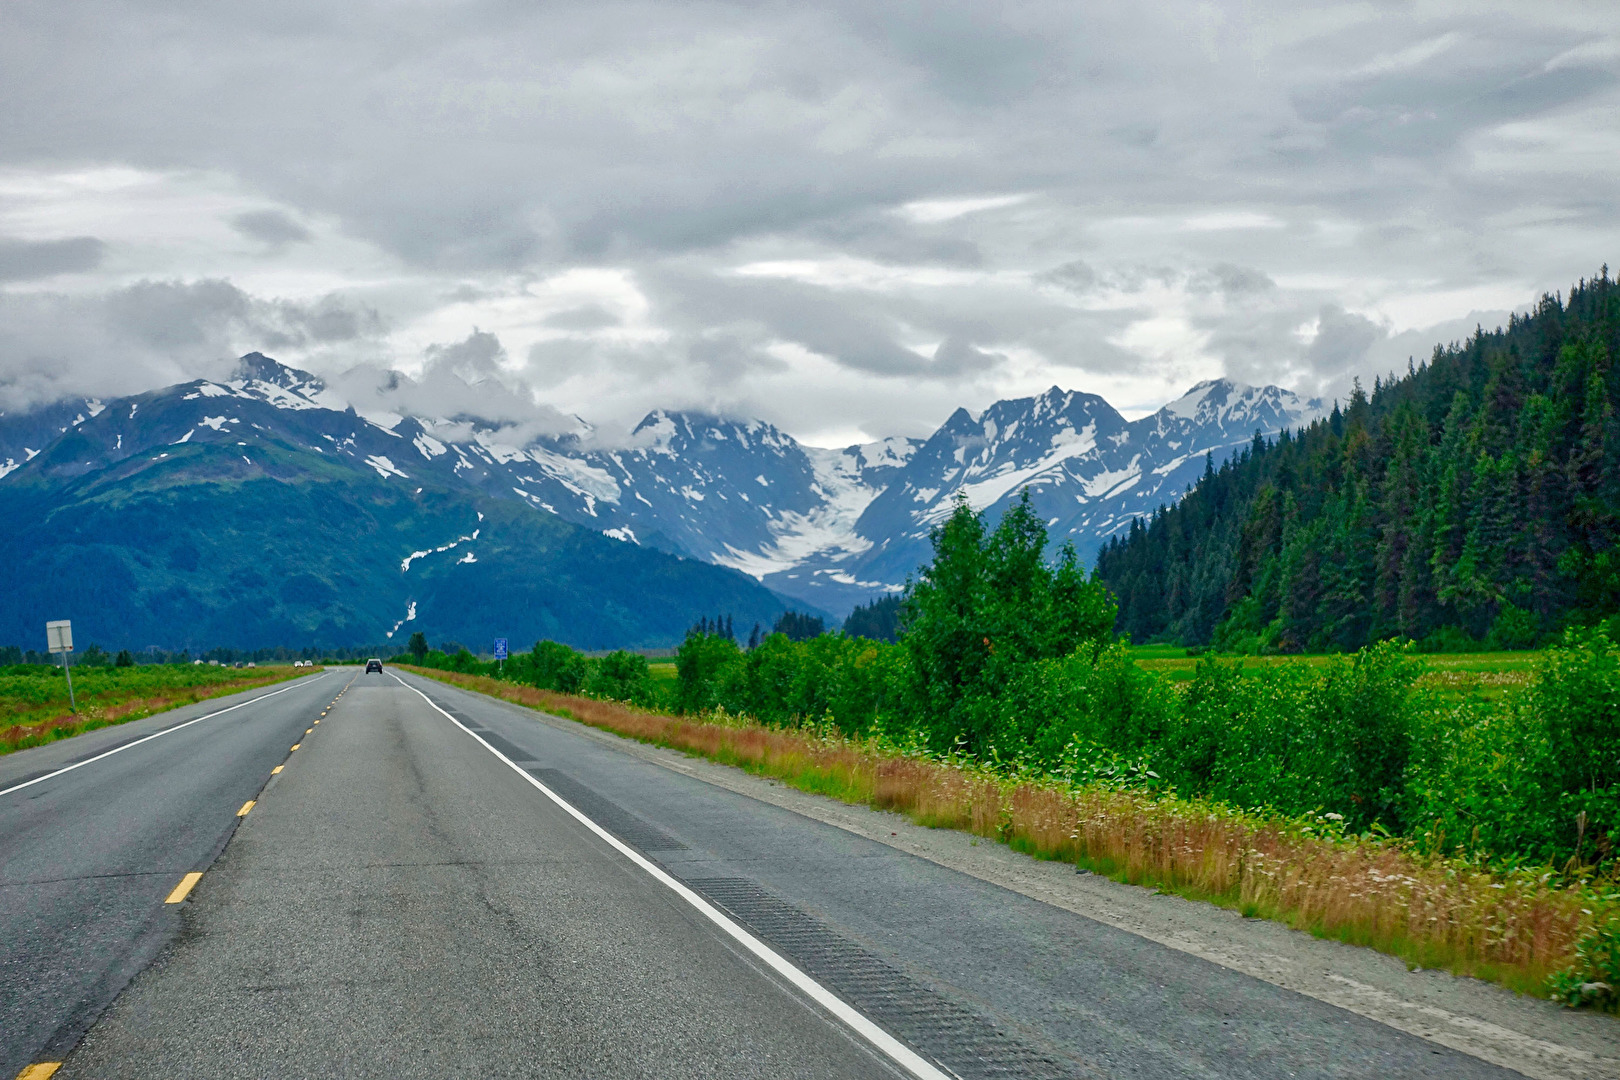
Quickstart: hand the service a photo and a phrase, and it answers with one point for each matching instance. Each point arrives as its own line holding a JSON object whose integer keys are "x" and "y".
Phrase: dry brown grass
{"x": 1514, "y": 929}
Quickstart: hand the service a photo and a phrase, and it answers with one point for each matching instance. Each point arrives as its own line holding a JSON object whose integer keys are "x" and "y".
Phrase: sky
{"x": 847, "y": 219}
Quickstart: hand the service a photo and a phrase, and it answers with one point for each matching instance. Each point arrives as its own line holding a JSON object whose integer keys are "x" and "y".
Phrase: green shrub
{"x": 1594, "y": 978}
{"x": 621, "y": 676}
{"x": 554, "y": 666}
{"x": 699, "y": 664}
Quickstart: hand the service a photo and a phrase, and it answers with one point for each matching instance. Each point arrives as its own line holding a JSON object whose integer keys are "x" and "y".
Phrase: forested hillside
{"x": 1477, "y": 495}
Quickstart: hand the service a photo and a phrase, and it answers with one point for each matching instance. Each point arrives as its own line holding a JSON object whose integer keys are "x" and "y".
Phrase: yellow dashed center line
{"x": 309, "y": 731}
{"x": 182, "y": 890}
{"x": 246, "y": 807}
{"x": 42, "y": 1071}
{"x": 296, "y": 745}
{"x": 277, "y": 769}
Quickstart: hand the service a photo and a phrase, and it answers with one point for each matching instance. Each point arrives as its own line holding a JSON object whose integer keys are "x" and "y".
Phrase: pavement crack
{"x": 165, "y": 874}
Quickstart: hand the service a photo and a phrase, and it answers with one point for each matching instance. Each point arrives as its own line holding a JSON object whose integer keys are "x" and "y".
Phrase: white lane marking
{"x": 155, "y": 734}
{"x": 893, "y": 1048}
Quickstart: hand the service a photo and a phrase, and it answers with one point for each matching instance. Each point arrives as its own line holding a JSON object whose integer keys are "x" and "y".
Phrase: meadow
{"x": 34, "y": 705}
{"x": 1476, "y": 676}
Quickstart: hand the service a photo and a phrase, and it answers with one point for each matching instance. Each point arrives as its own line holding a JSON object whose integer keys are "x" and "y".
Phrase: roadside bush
{"x": 554, "y": 666}
{"x": 1479, "y": 782}
{"x": 1594, "y": 977}
{"x": 1298, "y": 738}
{"x": 621, "y": 676}
{"x": 1536, "y": 776}
{"x": 700, "y": 663}
{"x": 1092, "y": 697}
{"x": 831, "y": 680}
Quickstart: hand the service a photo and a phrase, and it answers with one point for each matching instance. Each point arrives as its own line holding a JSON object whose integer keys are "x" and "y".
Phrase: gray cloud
{"x": 30, "y": 260}
{"x": 462, "y": 382}
{"x": 1182, "y": 187}
{"x": 152, "y": 333}
{"x": 1342, "y": 342}
{"x": 272, "y": 227}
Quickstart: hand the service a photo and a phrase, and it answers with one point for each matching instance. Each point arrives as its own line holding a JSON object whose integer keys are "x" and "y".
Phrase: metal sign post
{"x": 500, "y": 653}
{"x": 59, "y": 639}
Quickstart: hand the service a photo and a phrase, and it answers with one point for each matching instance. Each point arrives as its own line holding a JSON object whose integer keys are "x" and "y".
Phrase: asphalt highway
{"x": 441, "y": 884}
{"x": 88, "y": 856}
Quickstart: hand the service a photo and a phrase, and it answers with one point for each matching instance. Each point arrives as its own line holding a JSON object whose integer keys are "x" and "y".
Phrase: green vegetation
{"x": 1474, "y": 501}
{"x": 1008, "y": 660}
{"x": 34, "y": 698}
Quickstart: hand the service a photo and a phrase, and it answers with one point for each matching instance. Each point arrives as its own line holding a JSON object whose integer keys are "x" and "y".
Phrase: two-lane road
{"x": 96, "y": 831}
{"x": 442, "y": 884}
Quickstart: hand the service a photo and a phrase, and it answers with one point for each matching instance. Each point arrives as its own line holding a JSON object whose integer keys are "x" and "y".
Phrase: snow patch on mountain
{"x": 385, "y": 468}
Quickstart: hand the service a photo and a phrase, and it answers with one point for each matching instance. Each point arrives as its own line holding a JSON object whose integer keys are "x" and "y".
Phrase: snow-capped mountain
{"x": 252, "y": 512}
{"x": 828, "y": 527}
{"x": 1088, "y": 470}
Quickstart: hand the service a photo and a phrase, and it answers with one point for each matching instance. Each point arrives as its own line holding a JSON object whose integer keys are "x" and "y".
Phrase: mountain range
{"x": 265, "y": 509}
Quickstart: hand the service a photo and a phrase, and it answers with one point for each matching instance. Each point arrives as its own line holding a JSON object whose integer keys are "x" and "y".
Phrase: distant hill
{"x": 1477, "y": 495}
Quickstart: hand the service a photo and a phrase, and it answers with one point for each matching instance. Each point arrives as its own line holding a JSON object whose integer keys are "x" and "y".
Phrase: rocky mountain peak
{"x": 257, "y": 367}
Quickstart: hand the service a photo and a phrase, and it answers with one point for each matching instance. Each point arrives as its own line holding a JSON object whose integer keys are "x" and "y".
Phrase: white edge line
{"x": 897, "y": 1051}
{"x": 156, "y": 734}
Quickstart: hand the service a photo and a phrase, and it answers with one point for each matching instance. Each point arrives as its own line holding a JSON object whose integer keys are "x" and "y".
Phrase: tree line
{"x": 1476, "y": 499}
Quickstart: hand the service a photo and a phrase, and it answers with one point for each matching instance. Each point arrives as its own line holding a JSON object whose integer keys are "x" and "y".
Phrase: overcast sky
{"x": 847, "y": 219}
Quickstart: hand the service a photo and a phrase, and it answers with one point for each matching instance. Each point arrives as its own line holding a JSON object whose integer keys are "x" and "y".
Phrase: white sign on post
{"x": 59, "y": 639}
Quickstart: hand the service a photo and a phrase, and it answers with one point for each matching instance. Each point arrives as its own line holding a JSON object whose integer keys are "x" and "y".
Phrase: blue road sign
{"x": 500, "y": 648}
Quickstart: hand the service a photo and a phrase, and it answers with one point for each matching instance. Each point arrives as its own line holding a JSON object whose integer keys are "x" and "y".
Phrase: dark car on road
{"x": 373, "y": 665}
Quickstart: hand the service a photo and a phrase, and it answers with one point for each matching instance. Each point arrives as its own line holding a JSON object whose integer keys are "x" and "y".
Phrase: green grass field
{"x": 1483, "y": 675}
{"x": 34, "y": 698}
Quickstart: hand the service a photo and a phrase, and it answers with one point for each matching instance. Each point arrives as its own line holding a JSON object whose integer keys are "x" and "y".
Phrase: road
{"x": 410, "y": 897}
{"x": 88, "y": 856}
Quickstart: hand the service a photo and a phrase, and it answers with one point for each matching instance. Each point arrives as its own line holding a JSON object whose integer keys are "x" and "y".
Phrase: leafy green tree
{"x": 417, "y": 646}
{"x": 124, "y": 659}
{"x": 552, "y": 665}
{"x": 699, "y": 664}
{"x": 987, "y": 605}
{"x": 621, "y": 676}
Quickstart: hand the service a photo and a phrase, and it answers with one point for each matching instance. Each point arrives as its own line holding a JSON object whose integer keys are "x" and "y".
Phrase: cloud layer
{"x": 846, "y": 218}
